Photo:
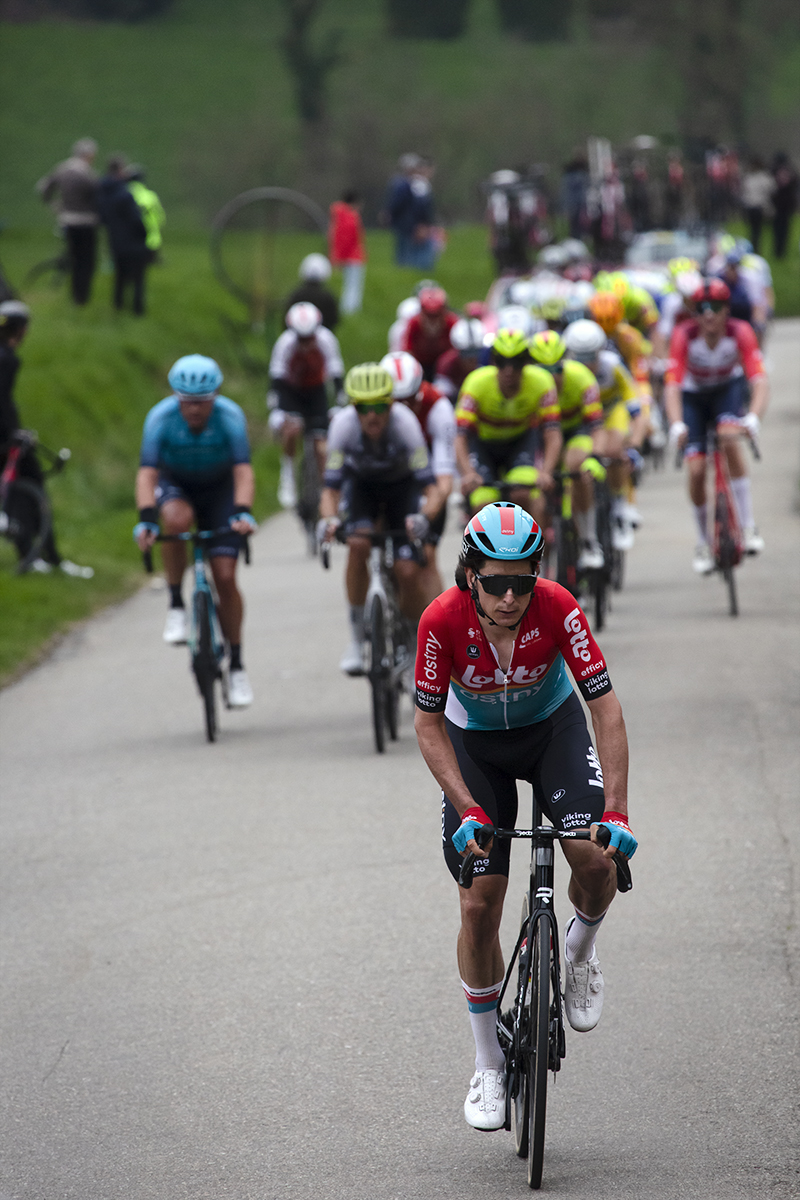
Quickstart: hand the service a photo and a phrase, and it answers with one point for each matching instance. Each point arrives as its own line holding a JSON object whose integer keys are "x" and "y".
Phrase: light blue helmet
{"x": 744, "y": 246}
{"x": 503, "y": 530}
{"x": 195, "y": 375}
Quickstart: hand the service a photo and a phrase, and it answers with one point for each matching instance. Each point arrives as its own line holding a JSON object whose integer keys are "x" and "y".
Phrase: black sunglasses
{"x": 498, "y": 585}
{"x": 379, "y": 406}
{"x": 516, "y": 360}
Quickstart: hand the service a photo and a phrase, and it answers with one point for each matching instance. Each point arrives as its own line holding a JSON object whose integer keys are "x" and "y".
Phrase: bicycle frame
{"x": 202, "y": 587}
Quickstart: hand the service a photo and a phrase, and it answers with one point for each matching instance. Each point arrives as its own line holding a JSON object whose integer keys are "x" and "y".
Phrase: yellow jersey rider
{"x": 506, "y": 414}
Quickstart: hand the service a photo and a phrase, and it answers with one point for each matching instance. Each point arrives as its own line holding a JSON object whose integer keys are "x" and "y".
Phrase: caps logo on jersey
{"x": 473, "y": 651}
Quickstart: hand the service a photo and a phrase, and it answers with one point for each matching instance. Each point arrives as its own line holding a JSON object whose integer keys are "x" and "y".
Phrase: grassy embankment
{"x": 89, "y": 377}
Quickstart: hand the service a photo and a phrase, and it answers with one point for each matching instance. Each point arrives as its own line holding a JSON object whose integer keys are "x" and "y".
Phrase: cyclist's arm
{"x": 146, "y": 481}
{"x": 431, "y": 501}
{"x": 759, "y": 395}
{"x": 470, "y": 478}
{"x": 612, "y": 750}
{"x": 244, "y": 486}
{"x": 438, "y": 752}
{"x": 329, "y": 503}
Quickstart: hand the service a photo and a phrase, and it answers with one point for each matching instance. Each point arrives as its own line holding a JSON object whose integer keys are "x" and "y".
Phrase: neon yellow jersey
{"x": 615, "y": 381}
{"x": 640, "y": 309}
{"x": 482, "y": 408}
{"x": 579, "y": 398}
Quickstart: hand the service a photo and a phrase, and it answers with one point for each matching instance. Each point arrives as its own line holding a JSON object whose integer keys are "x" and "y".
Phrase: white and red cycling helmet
{"x": 406, "y": 374}
{"x": 303, "y": 318}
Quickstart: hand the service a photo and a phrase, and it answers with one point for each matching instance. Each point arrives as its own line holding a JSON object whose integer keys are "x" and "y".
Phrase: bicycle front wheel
{"x": 377, "y": 673}
{"x": 522, "y": 1034}
{"x": 204, "y": 665}
{"x": 538, "y": 1056}
{"x": 29, "y": 520}
{"x": 308, "y": 505}
{"x": 726, "y": 554}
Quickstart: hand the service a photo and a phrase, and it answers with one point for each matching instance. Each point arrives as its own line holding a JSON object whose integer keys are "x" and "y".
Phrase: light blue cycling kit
{"x": 195, "y": 459}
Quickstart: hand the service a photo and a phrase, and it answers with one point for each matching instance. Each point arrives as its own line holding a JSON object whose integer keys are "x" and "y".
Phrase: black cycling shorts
{"x": 213, "y": 507}
{"x": 367, "y": 503}
{"x": 492, "y": 460}
{"x": 555, "y": 755}
{"x": 311, "y": 404}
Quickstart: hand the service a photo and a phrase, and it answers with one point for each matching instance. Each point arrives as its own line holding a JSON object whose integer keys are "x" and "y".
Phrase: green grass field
{"x": 90, "y": 375}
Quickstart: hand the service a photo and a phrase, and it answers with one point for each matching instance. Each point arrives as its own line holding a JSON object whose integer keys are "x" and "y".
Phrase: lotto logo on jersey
{"x": 580, "y": 638}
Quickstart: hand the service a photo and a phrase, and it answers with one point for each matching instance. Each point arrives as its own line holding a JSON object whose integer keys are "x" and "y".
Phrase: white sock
{"x": 482, "y": 1004}
{"x": 357, "y": 621}
{"x": 743, "y": 499}
{"x": 701, "y": 517}
{"x": 287, "y": 464}
{"x": 586, "y": 524}
{"x": 579, "y": 945}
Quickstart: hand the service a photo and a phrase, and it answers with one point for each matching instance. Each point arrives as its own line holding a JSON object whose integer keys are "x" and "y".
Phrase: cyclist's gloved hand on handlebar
{"x": 146, "y": 529}
{"x": 472, "y": 819}
{"x": 326, "y": 529}
{"x": 677, "y": 432}
{"x": 417, "y": 525}
{"x": 752, "y": 424}
{"x": 243, "y": 517}
{"x": 621, "y": 837}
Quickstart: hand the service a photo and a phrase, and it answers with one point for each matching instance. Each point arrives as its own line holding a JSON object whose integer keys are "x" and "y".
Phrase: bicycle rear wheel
{"x": 29, "y": 520}
{"x": 522, "y": 1027}
{"x": 377, "y": 672}
{"x": 538, "y": 1056}
{"x": 204, "y": 665}
{"x": 308, "y": 504}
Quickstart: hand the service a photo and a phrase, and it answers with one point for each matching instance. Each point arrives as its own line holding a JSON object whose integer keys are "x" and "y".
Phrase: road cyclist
{"x": 437, "y": 419}
{"x": 378, "y": 477}
{"x": 507, "y": 417}
{"x": 305, "y": 359}
{"x": 587, "y": 343}
{"x": 195, "y": 470}
{"x": 495, "y": 704}
{"x": 713, "y": 359}
{"x": 581, "y": 422}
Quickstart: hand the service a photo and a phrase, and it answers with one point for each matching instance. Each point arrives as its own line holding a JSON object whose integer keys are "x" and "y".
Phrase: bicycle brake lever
{"x": 147, "y": 557}
{"x": 466, "y": 872}
{"x": 624, "y": 879}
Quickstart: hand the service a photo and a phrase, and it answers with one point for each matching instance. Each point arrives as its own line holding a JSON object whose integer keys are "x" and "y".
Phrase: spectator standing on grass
{"x": 784, "y": 201}
{"x": 757, "y": 188}
{"x": 347, "y": 250}
{"x": 71, "y": 189}
{"x": 150, "y": 207}
{"x": 127, "y": 233}
{"x": 574, "y": 186}
{"x": 314, "y": 272}
{"x": 14, "y": 320}
{"x": 409, "y": 204}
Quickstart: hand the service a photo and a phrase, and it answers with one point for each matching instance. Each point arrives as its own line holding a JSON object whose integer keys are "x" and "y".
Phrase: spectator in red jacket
{"x": 427, "y": 335}
{"x": 346, "y": 241}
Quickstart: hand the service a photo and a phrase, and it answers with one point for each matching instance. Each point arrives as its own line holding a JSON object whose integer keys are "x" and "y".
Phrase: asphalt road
{"x": 228, "y": 971}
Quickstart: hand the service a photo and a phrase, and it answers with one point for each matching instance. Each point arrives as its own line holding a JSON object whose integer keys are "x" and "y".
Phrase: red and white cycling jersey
{"x": 458, "y": 672}
{"x": 697, "y": 366}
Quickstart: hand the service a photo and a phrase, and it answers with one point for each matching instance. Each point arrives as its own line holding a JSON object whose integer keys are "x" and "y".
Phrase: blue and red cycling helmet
{"x": 505, "y": 531}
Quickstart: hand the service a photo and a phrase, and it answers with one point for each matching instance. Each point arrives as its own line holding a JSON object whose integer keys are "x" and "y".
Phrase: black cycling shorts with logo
{"x": 367, "y": 505}
{"x": 309, "y": 403}
{"x": 494, "y": 459}
{"x": 556, "y": 756}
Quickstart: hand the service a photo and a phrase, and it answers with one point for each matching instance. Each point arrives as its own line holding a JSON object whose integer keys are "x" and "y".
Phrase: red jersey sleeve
{"x": 434, "y": 659}
{"x": 749, "y": 350}
{"x": 679, "y": 351}
{"x": 580, "y": 651}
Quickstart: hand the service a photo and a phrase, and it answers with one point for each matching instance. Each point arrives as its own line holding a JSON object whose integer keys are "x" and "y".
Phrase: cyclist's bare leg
{"x": 321, "y": 451}
{"x": 583, "y": 486}
{"x": 524, "y": 497}
{"x": 291, "y": 430}
{"x": 412, "y": 592}
{"x": 730, "y": 439}
{"x": 177, "y": 516}
{"x": 594, "y": 878}
{"x": 231, "y": 605}
{"x": 696, "y": 467}
{"x": 430, "y": 577}
{"x": 480, "y": 958}
{"x": 357, "y": 572}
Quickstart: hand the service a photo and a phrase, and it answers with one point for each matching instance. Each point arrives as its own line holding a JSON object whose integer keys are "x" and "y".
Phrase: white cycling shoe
{"x": 703, "y": 561}
{"x": 583, "y": 991}
{"x": 76, "y": 571}
{"x": 352, "y": 661}
{"x": 240, "y": 693}
{"x": 591, "y": 557}
{"x": 485, "y": 1105}
{"x": 622, "y": 535}
{"x": 753, "y": 541}
{"x": 176, "y": 627}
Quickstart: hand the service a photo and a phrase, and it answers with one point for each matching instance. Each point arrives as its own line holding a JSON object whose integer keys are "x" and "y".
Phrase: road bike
{"x": 25, "y": 514}
{"x": 389, "y": 642}
{"x": 725, "y": 531}
{"x": 531, "y": 1030}
{"x": 207, "y": 647}
{"x": 308, "y": 493}
{"x": 589, "y": 586}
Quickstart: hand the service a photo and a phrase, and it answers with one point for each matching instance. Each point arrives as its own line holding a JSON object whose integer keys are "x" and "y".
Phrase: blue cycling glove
{"x": 472, "y": 819}
{"x": 245, "y": 516}
{"x": 621, "y": 837}
{"x": 144, "y": 527}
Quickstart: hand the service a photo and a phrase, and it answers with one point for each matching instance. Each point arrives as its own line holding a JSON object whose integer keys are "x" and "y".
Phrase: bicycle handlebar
{"x": 196, "y": 535}
{"x": 545, "y": 833}
{"x": 376, "y": 539}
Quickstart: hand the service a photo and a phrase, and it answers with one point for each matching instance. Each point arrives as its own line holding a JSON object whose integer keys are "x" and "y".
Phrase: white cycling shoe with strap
{"x": 583, "y": 991}
{"x": 176, "y": 627}
{"x": 485, "y": 1105}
